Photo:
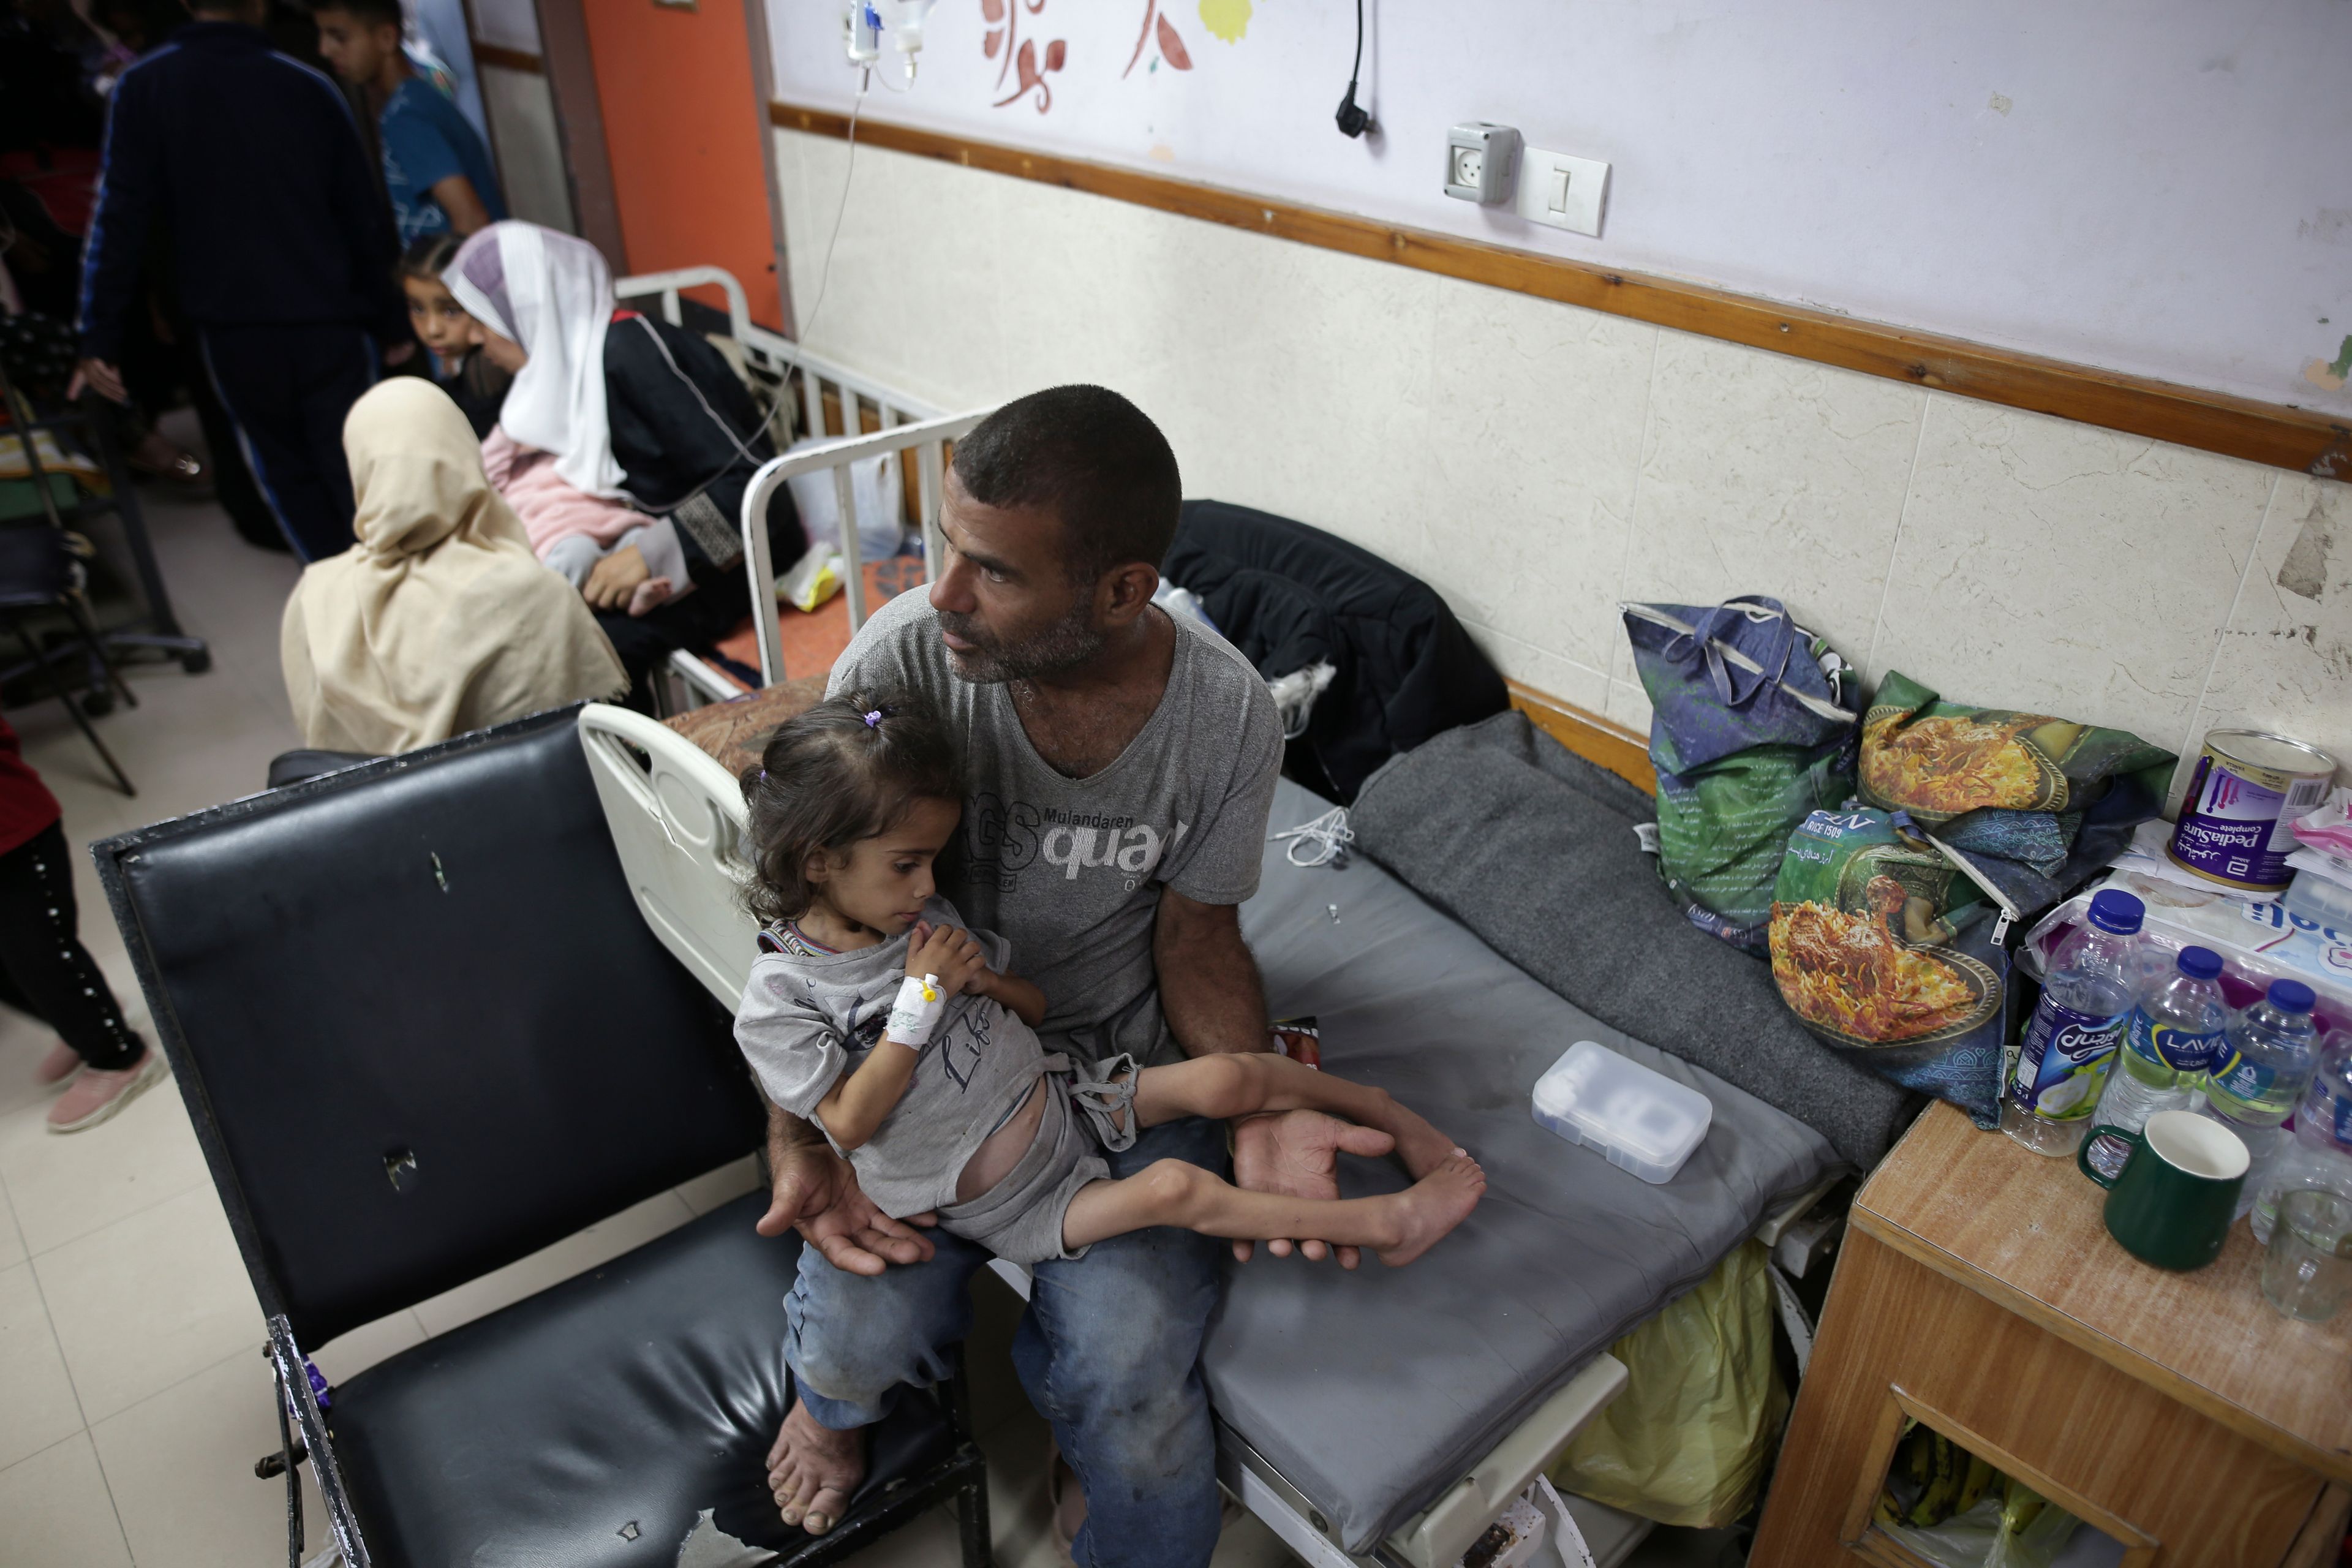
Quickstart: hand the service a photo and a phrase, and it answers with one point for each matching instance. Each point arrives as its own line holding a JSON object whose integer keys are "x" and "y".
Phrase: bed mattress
{"x": 1374, "y": 1391}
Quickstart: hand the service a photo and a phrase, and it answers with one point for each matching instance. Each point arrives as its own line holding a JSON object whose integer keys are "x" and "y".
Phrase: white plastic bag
{"x": 873, "y": 490}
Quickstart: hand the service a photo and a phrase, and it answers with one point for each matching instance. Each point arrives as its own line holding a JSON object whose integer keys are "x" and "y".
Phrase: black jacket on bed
{"x": 676, "y": 412}
{"x": 1288, "y": 595}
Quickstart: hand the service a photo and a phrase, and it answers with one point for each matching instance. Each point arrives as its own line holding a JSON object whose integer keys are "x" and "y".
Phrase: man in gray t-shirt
{"x": 1070, "y": 870}
{"x": 1119, "y": 764}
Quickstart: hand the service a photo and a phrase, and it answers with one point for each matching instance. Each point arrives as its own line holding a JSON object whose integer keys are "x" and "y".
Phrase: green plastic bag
{"x": 1723, "y": 827}
{"x": 1687, "y": 1441}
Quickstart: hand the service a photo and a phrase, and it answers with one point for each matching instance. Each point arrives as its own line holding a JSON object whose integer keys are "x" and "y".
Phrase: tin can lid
{"x": 2262, "y": 749}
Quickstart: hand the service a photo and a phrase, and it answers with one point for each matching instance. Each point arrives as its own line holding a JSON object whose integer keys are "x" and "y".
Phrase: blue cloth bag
{"x": 1726, "y": 677}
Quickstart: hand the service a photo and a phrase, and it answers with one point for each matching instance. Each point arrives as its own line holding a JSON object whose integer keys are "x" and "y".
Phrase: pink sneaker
{"x": 96, "y": 1095}
{"x": 60, "y": 1065}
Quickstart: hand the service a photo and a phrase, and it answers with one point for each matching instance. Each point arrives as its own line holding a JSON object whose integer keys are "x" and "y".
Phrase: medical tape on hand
{"x": 917, "y": 1012}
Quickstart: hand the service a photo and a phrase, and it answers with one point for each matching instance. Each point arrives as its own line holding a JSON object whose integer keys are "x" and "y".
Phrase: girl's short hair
{"x": 846, "y": 770}
{"x": 428, "y": 256}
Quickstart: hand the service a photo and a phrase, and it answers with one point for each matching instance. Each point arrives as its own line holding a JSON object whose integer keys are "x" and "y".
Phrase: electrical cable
{"x": 1325, "y": 841}
{"x": 1354, "y": 121}
{"x": 793, "y": 364}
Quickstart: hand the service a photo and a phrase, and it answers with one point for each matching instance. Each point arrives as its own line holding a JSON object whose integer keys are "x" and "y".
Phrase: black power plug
{"x": 1352, "y": 120}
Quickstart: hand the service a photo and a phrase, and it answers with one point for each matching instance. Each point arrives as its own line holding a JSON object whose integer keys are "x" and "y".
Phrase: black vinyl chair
{"x": 40, "y": 569}
{"x": 422, "y": 1032}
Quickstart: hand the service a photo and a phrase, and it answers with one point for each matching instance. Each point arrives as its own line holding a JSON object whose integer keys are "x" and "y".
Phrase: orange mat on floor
{"x": 811, "y": 641}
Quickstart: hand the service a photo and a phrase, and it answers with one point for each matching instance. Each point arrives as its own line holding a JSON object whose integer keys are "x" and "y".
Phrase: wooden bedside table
{"x": 1978, "y": 1291}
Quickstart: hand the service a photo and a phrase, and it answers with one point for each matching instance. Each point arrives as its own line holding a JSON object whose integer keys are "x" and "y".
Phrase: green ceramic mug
{"x": 2173, "y": 1202}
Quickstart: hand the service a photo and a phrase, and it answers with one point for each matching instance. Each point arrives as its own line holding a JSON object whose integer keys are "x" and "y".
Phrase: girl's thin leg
{"x": 1245, "y": 1084}
{"x": 1399, "y": 1226}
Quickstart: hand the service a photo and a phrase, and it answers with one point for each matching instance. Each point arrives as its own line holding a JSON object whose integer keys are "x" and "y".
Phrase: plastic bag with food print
{"x": 1943, "y": 760}
{"x": 1883, "y": 947}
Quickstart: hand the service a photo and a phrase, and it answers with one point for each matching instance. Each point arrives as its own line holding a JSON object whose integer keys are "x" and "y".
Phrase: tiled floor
{"x": 133, "y": 1399}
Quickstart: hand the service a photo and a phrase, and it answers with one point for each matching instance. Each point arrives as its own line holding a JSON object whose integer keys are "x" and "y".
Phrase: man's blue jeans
{"x": 1109, "y": 1351}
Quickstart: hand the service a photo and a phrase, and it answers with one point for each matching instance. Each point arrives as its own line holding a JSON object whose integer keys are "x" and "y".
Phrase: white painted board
{"x": 2154, "y": 186}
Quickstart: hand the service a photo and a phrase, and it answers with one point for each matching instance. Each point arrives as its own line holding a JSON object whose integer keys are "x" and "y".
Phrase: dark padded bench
{"x": 422, "y": 1032}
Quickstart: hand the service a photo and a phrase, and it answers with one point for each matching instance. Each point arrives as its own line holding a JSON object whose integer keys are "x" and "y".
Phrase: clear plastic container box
{"x": 1638, "y": 1119}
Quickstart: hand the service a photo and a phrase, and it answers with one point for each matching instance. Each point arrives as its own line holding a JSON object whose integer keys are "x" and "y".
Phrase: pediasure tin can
{"x": 2234, "y": 821}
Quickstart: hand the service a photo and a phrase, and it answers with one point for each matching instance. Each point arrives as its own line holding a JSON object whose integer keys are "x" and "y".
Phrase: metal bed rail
{"x": 904, "y": 422}
{"x": 927, "y": 438}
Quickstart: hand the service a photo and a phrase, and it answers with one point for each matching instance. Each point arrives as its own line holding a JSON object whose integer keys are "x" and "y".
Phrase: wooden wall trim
{"x": 1589, "y": 735}
{"x": 504, "y": 59}
{"x": 2267, "y": 433}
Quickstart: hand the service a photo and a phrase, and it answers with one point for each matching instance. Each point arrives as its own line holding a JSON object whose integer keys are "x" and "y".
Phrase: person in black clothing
{"x": 282, "y": 246}
{"x": 630, "y": 407}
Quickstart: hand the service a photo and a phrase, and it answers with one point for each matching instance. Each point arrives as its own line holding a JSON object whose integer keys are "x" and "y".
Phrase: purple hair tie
{"x": 874, "y": 720}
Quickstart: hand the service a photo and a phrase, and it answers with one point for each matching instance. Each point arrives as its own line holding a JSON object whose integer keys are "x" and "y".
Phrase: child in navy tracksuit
{"x": 281, "y": 248}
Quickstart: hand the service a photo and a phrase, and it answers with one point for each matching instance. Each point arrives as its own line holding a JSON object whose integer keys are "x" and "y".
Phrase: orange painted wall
{"x": 682, "y": 130}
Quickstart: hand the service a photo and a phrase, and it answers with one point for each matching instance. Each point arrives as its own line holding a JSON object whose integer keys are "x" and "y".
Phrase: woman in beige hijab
{"x": 439, "y": 619}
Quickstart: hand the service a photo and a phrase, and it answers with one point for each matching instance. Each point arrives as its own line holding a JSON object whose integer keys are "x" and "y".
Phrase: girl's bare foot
{"x": 1434, "y": 1205}
{"x": 1424, "y": 1148}
{"x": 812, "y": 1470}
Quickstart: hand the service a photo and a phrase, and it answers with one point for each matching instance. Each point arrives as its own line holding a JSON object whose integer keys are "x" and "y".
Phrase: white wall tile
{"x": 1528, "y": 450}
{"x": 911, "y": 296}
{"x": 2060, "y": 568}
{"x": 2284, "y": 662}
{"x": 1766, "y": 474}
{"x": 1540, "y": 667}
{"x": 1536, "y": 462}
{"x": 1629, "y": 705}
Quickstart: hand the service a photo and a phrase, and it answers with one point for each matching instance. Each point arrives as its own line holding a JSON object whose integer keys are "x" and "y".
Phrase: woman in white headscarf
{"x": 628, "y": 406}
{"x": 438, "y": 619}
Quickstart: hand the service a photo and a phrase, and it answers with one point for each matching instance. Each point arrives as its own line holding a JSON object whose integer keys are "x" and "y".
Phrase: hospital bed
{"x": 1378, "y": 1416}
{"x": 836, "y": 403}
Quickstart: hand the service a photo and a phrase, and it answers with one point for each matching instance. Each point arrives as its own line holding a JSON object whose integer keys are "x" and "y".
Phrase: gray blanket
{"x": 1532, "y": 847}
{"x": 1374, "y": 1391}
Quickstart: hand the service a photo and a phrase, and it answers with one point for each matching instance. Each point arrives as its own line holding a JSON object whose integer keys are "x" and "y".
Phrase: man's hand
{"x": 100, "y": 377}
{"x": 814, "y": 1192}
{"x": 399, "y": 354}
{"x": 1296, "y": 1153}
{"x": 614, "y": 578}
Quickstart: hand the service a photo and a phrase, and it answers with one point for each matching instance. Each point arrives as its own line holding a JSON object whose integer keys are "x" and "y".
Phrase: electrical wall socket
{"x": 1480, "y": 160}
{"x": 1562, "y": 190}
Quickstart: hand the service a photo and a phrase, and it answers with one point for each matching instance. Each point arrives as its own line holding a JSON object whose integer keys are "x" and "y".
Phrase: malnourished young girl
{"x": 906, "y": 1040}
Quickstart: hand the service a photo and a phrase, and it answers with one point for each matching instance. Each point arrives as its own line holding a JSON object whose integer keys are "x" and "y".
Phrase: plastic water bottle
{"x": 2173, "y": 1040}
{"x": 2071, "y": 1040}
{"x": 2265, "y": 1067}
{"x": 2321, "y": 1154}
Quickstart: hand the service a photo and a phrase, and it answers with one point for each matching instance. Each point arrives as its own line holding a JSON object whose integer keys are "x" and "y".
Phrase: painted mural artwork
{"x": 1018, "y": 57}
{"x": 1020, "y": 60}
{"x": 1172, "y": 45}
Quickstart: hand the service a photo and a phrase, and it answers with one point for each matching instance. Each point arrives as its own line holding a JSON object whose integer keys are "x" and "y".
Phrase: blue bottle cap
{"x": 2118, "y": 912}
{"x": 2200, "y": 963}
{"x": 2292, "y": 996}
